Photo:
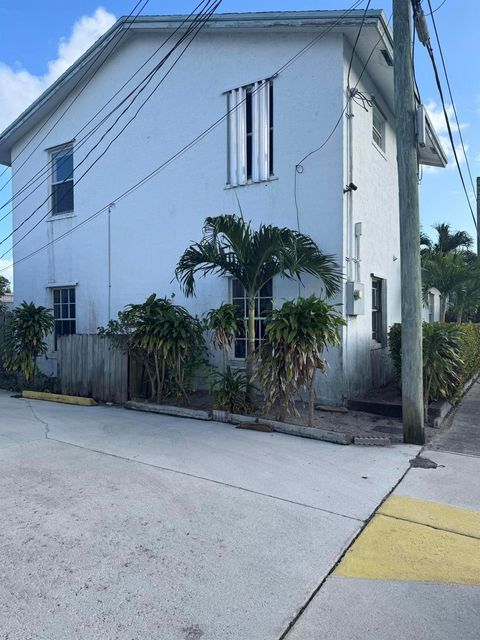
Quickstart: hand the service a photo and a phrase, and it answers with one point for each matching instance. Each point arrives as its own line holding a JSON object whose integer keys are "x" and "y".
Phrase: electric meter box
{"x": 355, "y": 299}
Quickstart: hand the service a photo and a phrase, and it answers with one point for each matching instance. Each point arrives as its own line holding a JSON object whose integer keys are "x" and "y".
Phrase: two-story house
{"x": 299, "y": 133}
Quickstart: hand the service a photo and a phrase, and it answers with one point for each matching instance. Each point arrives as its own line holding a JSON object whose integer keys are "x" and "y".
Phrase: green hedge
{"x": 451, "y": 357}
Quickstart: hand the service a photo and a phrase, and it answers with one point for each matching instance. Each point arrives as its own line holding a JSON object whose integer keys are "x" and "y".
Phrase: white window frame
{"x": 69, "y": 318}
{"x": 379, "y": 125}
{"x": 52, "y": 152}
{"x": 380, "y": 340}
{"x": 258, "y": 318}
{"x": 257, "y": 97}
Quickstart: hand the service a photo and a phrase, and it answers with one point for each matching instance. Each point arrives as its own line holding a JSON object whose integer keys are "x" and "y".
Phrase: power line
{"x": 189, "y": 145}
{"x": 359, "y": 33}
{"x": 351, "y": 93}
{"x": 199, "y": 20}
{"x": 89, "y": 67}
{"x": 450, "y": 94}
{"x": 41, "y": 173}
{"x": 435, "y": 10}
{"x": 418, "y": 13}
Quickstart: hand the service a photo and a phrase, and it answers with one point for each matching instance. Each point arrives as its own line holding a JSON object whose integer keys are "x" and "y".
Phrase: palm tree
{"x": 231, "y": 247}
{"x": 447, "y": 240}
{"x": 450, "y": 273}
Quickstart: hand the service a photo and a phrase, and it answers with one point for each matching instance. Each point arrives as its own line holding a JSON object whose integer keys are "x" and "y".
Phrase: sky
{"x": 39, "y": 40}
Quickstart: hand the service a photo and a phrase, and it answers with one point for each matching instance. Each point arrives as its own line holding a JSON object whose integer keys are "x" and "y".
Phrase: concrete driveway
{"x": 132, "y": 526}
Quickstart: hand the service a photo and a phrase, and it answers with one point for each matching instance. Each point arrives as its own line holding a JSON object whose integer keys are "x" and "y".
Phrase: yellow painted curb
{"x": 437, "y": 515}
{"x": 392, "y": 549}
{"x": 57, "y": 397}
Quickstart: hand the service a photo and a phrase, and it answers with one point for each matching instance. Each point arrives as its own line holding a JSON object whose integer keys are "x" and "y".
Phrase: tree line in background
{"x": 450, "y": 265}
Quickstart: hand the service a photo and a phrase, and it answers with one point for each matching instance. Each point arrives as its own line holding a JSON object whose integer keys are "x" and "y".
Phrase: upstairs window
{"x": 64, "y": 312}
{"x": 250, "y": 133}
{"x": 62, "y": 180}
{"x": 378, "y": 127}
{"x": 263, "y": 305}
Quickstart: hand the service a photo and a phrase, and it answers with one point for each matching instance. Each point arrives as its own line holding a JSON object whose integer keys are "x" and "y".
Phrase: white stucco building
{"x": 344, "y": 194}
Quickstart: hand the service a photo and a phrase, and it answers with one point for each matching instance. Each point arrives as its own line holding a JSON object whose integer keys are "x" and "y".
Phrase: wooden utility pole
{"x": 405, "y": 117}
{"x": 478, "y": 216}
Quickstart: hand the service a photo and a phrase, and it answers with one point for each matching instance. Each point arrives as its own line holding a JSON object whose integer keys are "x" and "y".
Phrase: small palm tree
{"x": 27, "y": 327}
{"x": 447, "y": 240}
{"x": 231, "y": 247}
{"x": 447, "y": 272}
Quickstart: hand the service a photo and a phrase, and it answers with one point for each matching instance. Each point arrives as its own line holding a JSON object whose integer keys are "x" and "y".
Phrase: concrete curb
{"x": 168, "y": 410}
{"x": 57, "y": 397}
{"x": 439, "y": 410}
{"x": 232, "y": 418}
{"x": 296, "y": 429}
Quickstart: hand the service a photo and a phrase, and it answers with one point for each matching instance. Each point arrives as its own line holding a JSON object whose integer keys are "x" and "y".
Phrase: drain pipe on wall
{"x": 109, "y": 253}
{"x": 348, "y": 192}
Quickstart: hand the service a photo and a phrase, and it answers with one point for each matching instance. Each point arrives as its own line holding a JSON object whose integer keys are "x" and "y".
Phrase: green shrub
{"x": 229, "y": 391}
{"x": 451, "y": 357}
{"x": 470, "y": 353}
{"x": 224, "y": 323}
{"x": 296, "y": 337}
{"x": 26, "y": 328}
{"x": 166, "y": 339}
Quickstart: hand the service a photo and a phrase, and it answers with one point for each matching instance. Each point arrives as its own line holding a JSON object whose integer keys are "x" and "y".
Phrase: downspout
{"x": 109, "y": 254}
{"x": 349, "y": 231}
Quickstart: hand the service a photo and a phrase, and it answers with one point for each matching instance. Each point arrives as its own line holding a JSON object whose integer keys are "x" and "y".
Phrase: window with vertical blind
{"x": 378, "y": 127}
{"x": 250, "y": 133}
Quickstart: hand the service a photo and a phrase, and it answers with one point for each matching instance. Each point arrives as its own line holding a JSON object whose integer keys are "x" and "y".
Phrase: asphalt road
{"x": 130, "y": 526}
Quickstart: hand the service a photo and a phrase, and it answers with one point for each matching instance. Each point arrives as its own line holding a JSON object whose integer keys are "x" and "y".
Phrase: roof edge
{"x": 296, "y": 19}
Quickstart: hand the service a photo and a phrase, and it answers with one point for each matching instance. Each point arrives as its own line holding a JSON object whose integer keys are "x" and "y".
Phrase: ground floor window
{"x": 377, "y": 310}
{"x": 263, "y": 304}
{"x": 64, "y": 312}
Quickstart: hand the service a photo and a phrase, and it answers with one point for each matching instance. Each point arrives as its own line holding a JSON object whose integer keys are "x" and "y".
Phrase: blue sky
{"x": 37, "y": 40}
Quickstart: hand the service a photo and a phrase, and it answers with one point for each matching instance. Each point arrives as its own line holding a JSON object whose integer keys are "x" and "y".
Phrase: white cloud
{"x": 6, "y": 269}
{"x": 437, "y": 117}
{"x": 18, "y": 87}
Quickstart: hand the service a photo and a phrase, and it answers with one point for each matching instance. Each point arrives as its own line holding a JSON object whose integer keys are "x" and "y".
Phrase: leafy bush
{"x": 41, "y": 382}
{"x": 26, "y": 328}
{"x": 165, "y": 338}
{"x": 229, "y": 391}
{"x": 470, "y": 352}
{"x": 224, "y": 323}
{"x": 296, "y": 335}
{"x": 451, "y": 357}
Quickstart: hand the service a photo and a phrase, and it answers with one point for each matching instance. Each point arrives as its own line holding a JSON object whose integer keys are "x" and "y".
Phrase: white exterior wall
{"x": 375, "y": 205}
{"x": 431, "y": 307}
{"x": 152, "y": 227}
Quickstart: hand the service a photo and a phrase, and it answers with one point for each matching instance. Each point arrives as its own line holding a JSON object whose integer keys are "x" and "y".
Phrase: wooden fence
{"x": 89, "y": 365}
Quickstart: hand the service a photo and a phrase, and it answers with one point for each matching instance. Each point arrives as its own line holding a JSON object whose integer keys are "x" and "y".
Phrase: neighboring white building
{"x": 123, "y": 255}
{"x": 431, "y": 306}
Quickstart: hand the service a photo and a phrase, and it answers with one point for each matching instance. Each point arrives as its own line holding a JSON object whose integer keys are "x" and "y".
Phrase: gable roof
{"x": 374, "y": 26}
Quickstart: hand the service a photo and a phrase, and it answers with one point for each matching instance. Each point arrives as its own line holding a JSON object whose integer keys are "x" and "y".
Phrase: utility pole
{"x": 478, "y": 216}
{"x": 405, "y": 117}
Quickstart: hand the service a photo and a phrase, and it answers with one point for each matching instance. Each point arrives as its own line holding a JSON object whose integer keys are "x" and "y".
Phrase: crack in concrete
{"x": 315, "y": 592}
{"x": 45, "y": 424}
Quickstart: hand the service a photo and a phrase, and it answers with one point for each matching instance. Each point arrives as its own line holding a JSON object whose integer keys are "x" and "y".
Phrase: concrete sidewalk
{"x": 121, "y": 525}
{"x": 414, "y": 571}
